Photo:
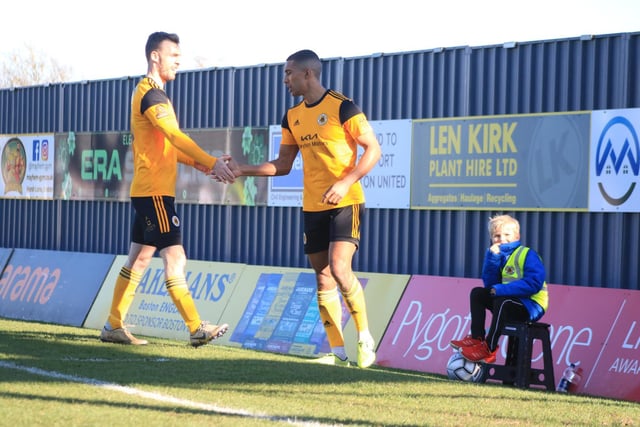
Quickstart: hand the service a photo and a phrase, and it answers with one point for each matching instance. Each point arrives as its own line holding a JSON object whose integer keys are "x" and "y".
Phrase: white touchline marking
{"x": 158, "y": 396}
{"x": 100, "y": 359}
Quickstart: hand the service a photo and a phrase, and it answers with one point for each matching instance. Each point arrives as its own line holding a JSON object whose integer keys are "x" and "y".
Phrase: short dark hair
{"x": 307, "y": 58}
{"x": 154, "y": 40}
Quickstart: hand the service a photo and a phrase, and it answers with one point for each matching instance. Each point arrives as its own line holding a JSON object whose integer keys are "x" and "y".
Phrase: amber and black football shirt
{"x": 325, "y": 133}
{"x": 158, "y": 143}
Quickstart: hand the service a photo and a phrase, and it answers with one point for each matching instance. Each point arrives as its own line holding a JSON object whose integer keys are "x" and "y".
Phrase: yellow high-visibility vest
{"x": 513, "y": 269}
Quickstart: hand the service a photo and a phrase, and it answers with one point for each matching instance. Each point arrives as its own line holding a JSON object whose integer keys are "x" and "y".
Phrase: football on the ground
{"x": 459, "y": 368}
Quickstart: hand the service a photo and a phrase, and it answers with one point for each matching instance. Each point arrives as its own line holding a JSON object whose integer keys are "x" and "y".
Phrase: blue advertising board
{"x": 50, "y": 286}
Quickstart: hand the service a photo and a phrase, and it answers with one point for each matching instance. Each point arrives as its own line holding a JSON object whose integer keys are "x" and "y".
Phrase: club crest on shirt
{"x": 175, "y": 220}
{"x": 322, "y": 119}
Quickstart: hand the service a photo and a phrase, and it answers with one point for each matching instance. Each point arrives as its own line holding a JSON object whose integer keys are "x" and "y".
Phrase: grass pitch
{"x": 52, "y": 375}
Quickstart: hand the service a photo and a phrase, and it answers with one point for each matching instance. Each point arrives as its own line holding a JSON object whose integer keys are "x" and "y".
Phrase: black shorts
{"x": 340, "y": 224}
{"x": 156, "y": 222}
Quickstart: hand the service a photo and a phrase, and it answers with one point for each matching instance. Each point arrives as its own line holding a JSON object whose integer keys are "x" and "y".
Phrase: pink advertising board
{"x": 595, "y": 327}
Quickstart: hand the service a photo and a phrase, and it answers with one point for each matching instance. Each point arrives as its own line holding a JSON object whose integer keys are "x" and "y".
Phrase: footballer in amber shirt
{"x": 325, "y": 133}
{"x": 158, "y": 143}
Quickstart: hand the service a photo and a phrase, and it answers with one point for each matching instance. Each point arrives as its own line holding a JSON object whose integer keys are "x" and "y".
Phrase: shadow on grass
{"x": 264, "y": 379}
{"x": 78, "y": 351}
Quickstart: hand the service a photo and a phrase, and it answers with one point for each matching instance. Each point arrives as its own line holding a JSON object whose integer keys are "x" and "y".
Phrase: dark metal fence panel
{"x": 575, "y": 74}
{"x": 586, "y": 73}
{"x": 99, "y": 106}
{"x": 203, "y": 99}
{"x": 94, "y": 226}
{"x": 411, "y": 85}
{"x": 30, "y": 109}
{"x": 260, "y": 96}
{"x": 28, "y": 224}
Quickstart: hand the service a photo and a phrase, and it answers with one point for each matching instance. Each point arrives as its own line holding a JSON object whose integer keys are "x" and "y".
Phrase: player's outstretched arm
{"x": 202, "y": 168}
{"x": 280, "y": 166}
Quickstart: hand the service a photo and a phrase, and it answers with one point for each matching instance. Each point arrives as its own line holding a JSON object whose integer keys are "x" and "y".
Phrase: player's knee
{"x": 175, "y": 262}
{"x": 325, "y": 282}
{"x": 343, "y": 275}
{"x": 140, "y": 263}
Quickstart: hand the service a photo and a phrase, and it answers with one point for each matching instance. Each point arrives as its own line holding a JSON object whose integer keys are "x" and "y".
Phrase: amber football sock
{"x": 331, "y": 315}
{"x": 123, "y": 293}
{"x": 181, "y": 297}
{"x": 354, "y": 300}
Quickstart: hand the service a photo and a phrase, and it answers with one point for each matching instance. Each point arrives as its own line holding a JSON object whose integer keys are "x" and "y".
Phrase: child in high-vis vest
{"x": 514, "y": 290}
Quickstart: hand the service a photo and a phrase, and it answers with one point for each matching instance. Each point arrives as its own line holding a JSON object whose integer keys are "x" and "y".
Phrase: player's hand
{"x": 221, "y": 171}
{"x": 335, "y": 193}
{"x": 234, "y": 167}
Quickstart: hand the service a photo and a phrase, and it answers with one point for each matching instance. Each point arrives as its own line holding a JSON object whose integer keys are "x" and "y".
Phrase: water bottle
{"x": 570, "y": 377}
